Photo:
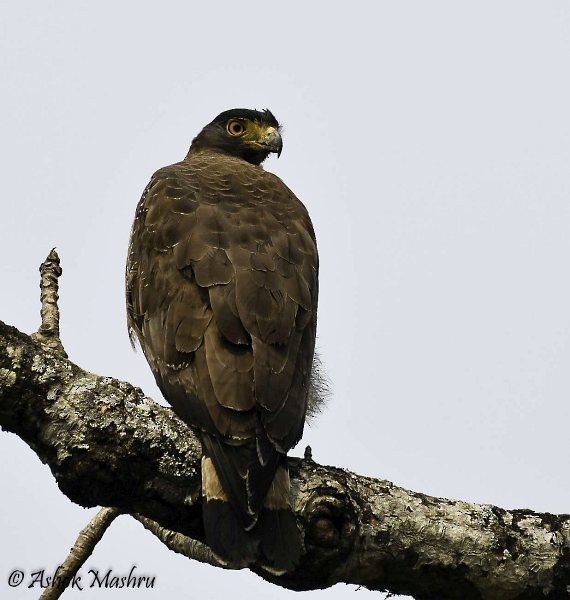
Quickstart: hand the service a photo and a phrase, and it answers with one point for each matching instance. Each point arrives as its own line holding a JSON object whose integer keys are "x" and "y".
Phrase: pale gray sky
{"x": 430, "y": 142}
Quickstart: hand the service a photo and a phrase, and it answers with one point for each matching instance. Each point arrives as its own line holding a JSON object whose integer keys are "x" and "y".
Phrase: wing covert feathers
{"x": 222, "y": 294}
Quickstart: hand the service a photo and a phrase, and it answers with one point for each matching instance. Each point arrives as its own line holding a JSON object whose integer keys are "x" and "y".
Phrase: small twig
{"x": 82, "y": 549}
{"x": 48, "y": 333}
{"x": 182, "y": 544}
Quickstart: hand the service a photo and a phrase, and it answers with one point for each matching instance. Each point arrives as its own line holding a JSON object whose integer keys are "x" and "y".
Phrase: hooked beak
{"x": 273, "y": 141}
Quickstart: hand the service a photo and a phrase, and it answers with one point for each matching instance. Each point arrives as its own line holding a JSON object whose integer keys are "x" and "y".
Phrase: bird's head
{"x": 248, "y": 134}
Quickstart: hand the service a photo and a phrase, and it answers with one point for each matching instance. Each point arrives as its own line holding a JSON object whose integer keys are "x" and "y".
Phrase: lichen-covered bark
{"x": 107, "y": 444}
{"x": 48, "y": 333}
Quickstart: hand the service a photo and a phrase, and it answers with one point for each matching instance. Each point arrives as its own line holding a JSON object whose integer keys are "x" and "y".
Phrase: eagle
{"x": 221, "y": 293}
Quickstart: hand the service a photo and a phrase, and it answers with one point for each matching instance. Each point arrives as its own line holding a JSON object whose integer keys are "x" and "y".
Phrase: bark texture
{"x": 109, "y": 445}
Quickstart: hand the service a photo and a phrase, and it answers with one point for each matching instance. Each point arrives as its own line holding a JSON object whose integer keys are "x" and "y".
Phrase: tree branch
{"x": 82, "y": 549}
{"x": 107, "y": 444}
{"x": 48, "y": 333}
{"x": 181, "y": 544}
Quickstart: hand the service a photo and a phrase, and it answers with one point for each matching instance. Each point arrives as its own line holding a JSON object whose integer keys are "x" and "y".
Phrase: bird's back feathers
{"x": 222, "y": 295}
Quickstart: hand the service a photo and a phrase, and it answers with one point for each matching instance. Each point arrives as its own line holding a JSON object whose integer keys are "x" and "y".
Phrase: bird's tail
{"x": 246, "y": 507}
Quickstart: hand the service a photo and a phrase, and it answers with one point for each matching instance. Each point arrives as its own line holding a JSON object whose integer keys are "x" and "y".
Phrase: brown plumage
{"x": 222, "y": 295}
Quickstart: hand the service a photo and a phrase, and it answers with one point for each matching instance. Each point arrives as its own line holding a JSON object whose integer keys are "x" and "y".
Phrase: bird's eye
{"x": 235, "y": 128}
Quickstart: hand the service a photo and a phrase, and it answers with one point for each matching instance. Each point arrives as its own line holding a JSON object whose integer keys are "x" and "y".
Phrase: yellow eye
{"x": 235, "y": 128}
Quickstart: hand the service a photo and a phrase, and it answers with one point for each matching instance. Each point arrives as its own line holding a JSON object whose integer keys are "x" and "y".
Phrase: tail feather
{"x": 226, "y": 536}
{"x": 246, "y": 508}
{"x": 280, "y": 544}
{"x": 229, "y": 468}
{"x": 260, "y": 480}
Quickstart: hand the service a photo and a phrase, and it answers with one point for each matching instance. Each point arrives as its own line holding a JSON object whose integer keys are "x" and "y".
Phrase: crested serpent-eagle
{"x": 221, "y": 286}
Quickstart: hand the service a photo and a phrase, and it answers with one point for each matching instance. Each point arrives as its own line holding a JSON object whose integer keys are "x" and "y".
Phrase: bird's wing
{"x": 224, "y": 261}
{"x": 222, "y": 294}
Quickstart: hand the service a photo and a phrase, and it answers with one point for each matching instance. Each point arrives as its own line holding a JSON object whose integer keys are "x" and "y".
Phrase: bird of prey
{"x": 222, "y": 287}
